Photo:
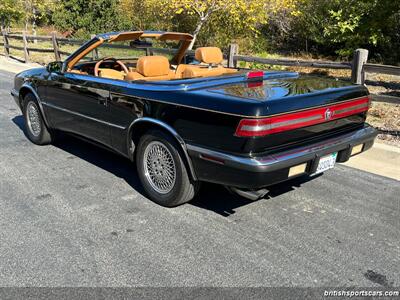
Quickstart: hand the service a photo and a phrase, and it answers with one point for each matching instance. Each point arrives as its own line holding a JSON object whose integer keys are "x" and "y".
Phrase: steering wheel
{"x": 97, "y": 66}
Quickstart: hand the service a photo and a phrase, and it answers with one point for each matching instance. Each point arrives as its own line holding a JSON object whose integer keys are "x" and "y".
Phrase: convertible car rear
{"x": 186, "y": 119}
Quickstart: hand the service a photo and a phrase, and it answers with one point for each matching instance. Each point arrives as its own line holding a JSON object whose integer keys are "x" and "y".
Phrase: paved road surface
{"x": 74, "y": 215}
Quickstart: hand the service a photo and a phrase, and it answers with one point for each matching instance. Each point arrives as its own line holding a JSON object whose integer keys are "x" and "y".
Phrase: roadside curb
{"x": 381, "y": 159}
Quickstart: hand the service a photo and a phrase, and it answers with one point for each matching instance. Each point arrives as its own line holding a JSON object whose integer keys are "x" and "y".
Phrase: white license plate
{"x": 326, "y": 162}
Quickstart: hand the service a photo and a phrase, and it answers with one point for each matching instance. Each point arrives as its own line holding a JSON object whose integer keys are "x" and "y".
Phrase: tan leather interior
{"x": 78, "y": 72}
{"x": 125, "y": 36}
{"x": 77, "y": 58}
{"x": 158, "y": 67}
{"x": 182, "y": 68}
{"x": 110, "y": 73}
{"x": 133, "y": 76}
{"x": 209, "y": 55}
{"x": 152, "y": 68}
{"x": 203, "y": 72}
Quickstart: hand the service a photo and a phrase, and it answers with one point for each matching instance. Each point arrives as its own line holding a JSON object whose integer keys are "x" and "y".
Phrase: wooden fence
{"x": 57, "y": 43}
{"x": 358, "y": 66}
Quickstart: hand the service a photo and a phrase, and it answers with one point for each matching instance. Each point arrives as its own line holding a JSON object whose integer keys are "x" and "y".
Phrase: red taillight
{"x": 289, "y": 121}
{"x": 255, "y": 75}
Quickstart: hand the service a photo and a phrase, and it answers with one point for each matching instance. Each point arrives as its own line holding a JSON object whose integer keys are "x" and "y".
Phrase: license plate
{"x": 326, "y": 163}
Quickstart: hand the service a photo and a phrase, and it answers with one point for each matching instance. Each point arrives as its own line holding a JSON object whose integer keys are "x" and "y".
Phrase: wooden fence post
{"x": 6, "y": 44}
{"x": 26, "y": 52}
{"x": 233, "y": 50}
{"x": 357, "y": 67}
{"x": 95, "y": 52}
{"x": 55, "y": 46}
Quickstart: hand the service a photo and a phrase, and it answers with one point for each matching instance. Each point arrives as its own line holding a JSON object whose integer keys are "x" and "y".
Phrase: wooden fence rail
{"x": 358, "y": 65}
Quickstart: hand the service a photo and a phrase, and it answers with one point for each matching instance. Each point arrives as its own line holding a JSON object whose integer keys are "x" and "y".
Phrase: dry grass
{"x": 386, "y": 118}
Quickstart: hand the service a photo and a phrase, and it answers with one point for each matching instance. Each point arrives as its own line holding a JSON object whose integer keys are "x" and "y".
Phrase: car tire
{"x": 36, "y": 129}
{"x": 162, "y": 171}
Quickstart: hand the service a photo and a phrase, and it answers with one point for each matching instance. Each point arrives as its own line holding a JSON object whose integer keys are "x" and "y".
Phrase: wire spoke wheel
{"x": 33, "y": 119}
{"x": 159, "y": 167}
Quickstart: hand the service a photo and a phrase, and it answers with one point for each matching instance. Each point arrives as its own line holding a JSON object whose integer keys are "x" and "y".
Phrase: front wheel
{"x": 161, "y": 170}
{"x": 36, "y": 129}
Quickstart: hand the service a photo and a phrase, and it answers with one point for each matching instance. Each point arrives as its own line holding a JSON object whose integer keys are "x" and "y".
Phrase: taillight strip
{"x": 264, "y": 126}
{"x": 351, "y": 108}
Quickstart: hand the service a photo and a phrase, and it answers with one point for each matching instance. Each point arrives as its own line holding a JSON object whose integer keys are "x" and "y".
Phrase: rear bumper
{"x": 258, "y": 172}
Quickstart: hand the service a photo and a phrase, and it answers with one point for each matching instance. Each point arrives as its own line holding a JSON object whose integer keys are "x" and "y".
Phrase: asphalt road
{"x": 74, "y": 215}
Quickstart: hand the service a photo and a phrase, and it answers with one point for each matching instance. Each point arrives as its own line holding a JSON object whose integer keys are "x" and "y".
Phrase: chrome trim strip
{"x": 287, "y": 158}
{"x": 355, "y": 107}
{"x": 171, "y": 130}
{"x": 280, "y": 124}
{"x": 83, "y": 116}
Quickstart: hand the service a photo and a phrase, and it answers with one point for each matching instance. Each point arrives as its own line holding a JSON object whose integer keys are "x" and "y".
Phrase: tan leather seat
{"x": 151, "y": 68}
{"x": 182, "y": 68}
{"x": 203, "y": 71}
{"x": 207, "y": 55}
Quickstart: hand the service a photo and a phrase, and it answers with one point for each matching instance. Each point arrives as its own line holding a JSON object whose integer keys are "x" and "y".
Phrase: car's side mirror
{"x": 54, "y": 67}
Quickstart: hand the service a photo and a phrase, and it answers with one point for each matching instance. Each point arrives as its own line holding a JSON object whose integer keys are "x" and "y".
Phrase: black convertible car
{"x": 187, "y": 119}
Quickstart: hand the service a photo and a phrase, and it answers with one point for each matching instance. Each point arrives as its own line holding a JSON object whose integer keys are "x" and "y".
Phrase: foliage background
{"x": 331, "y": 28}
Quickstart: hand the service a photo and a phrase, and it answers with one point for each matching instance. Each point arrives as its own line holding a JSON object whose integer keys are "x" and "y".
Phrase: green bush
{"x": 83, "y": 17}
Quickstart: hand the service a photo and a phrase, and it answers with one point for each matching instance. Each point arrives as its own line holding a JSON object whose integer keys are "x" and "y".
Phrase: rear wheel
{"x": 161, "y": 170}
{"x": 36, "y": 129}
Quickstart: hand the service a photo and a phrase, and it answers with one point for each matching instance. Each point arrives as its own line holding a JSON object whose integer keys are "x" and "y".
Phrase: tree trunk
{"x": 196, "y": 32}
{"x": 34, "y": 24}
{"x": 34, "y": 29}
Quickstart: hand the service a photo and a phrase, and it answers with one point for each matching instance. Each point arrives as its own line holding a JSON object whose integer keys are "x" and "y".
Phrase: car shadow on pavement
{"x": 211, "y": 197}
{"x": 217, "y": 199}
{"x": 98, "y": 156}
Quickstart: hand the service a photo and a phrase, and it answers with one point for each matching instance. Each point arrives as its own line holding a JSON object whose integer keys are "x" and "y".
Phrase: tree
{"x": 35, "y": 10}
{"x": 142, "y": 15}
{"x": 340, "y": 26}
{"x": 82, "y": 17}
{"x": 243, "y": 13}
{"x": 10, "y": 10}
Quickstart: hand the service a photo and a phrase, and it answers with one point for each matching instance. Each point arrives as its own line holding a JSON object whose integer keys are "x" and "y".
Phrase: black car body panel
{"x": 202, "y": 114}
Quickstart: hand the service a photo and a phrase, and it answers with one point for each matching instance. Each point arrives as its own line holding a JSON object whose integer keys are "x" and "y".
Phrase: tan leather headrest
{"x": 209, "y": 55}
{"x": 153, "y": 66}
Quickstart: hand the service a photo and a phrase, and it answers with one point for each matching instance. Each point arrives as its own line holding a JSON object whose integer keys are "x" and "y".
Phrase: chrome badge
{"x": 328, "y": 114}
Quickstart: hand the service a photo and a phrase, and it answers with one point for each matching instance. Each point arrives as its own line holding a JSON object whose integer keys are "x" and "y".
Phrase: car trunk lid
{"x": 296, "y": 110}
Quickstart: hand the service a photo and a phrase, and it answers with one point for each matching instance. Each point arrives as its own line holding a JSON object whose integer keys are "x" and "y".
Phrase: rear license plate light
{"x": 297, "y": 170}
{"x": 357, "y": 149}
